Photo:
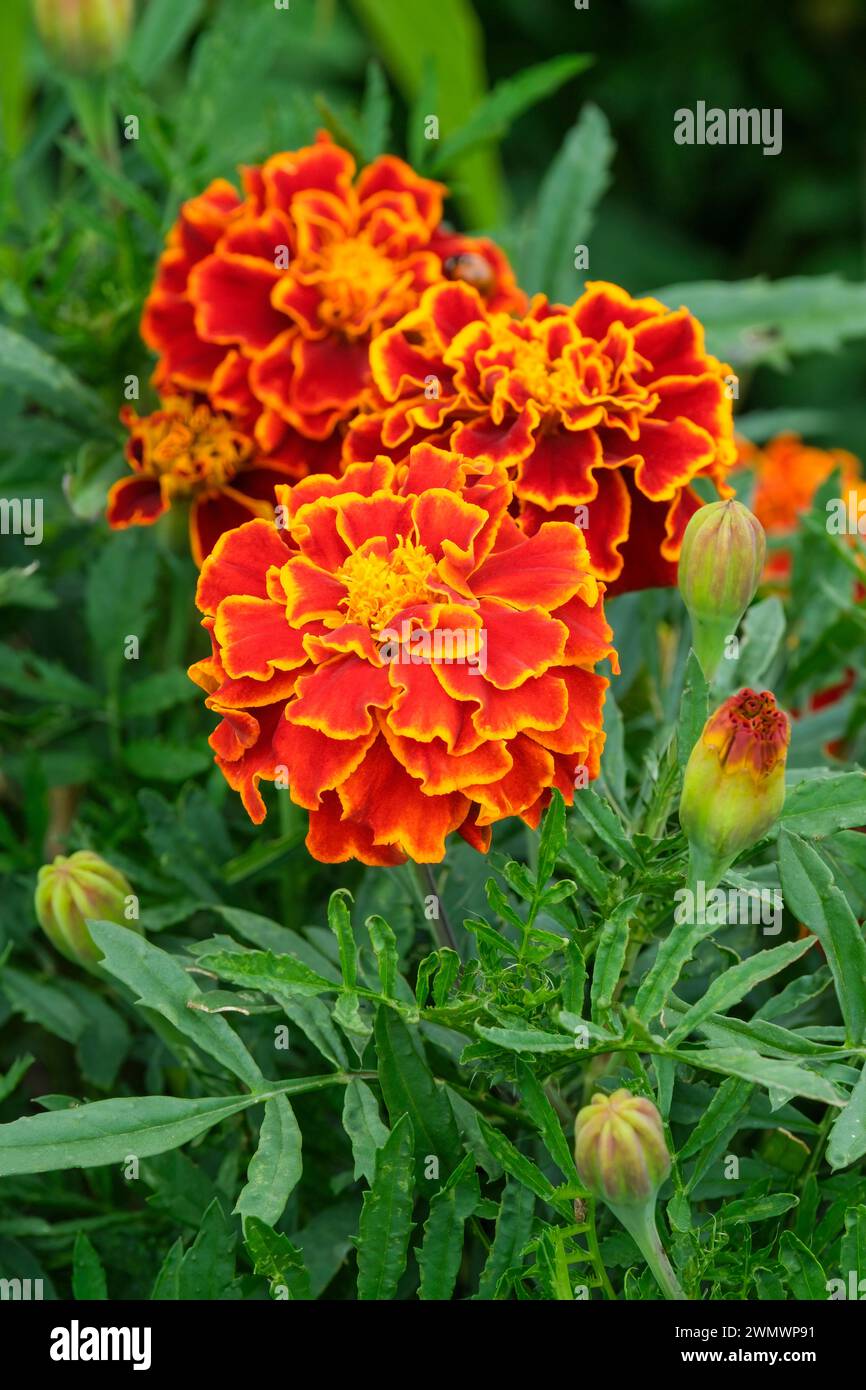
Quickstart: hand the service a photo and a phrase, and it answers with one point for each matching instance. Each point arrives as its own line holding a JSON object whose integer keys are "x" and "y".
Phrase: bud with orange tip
{"x": 734, "y": 782}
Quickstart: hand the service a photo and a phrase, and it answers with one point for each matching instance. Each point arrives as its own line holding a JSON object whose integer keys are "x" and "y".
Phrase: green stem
{"x": 594, "y": 1251}
{"x": 440, "y": 926}
{"x": 640, "y": 1222}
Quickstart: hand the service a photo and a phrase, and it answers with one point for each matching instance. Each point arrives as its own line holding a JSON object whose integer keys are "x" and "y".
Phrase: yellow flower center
{"x": 378, "y": 586}
{"x": 356, "y": 282}
{"x": 191, "y": 448}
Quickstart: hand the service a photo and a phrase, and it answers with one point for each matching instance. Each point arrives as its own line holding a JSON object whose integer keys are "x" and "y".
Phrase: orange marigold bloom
{"x": 267, "y": 302}
{"x": 185, "y": 450}
{"x": 403, "y": 658}
{"x": 612, "y": 403}
{"x": 788, "y": 473}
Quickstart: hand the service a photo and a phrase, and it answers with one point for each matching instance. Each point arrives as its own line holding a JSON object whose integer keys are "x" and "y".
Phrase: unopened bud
{"x": 622, "y": 1159}
{"x": 84, "y": 36}
{"x": 721, "y": 561}
{"x": 620, "y": 1149}
{"x": 70, "y": 891}
{"x": 734, "y": 782}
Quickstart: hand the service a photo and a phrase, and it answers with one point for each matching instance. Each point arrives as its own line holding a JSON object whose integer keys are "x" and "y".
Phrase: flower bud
{"x": 721, "y": 561}
{"x": 84, "y": 36}
{"x": 620, "y": 1149}
{"x": 734, "y": 782}
{"x": 76, "y": 888}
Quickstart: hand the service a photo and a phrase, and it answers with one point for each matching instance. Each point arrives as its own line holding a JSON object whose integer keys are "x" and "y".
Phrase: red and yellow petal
{"x": 255, "y": 639}
{"x": 135, "y": 502}
{"x": 338, "y": 696}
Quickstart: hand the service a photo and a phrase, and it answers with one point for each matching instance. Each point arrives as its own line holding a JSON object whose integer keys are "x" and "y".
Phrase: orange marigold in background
{"x": 187, "y": 452}
{"x": 266, "y": 302}
{"x": 612, "y": 404}
{"x": 404, "y": 658}
{"x": 788, "y": 473}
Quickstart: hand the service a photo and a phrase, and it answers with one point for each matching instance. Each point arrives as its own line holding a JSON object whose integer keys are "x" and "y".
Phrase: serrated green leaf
{"x": 809, "y": 891}
{"x": 693, "y": 709}
{"x": 847, "y": 1139}
{"x": 161, "y": 983}
{"x": 495, "y": 112}
{"x": 771, "y": 1072}
{"x": 265, "y": 971}
{"x": 365, "y": 1129}
{"x": 822, "y": 805}
{"x": 43, "y": 379}
{"x": 375, "y": 114}
{"x": 552, "y": 837}
{"x": 853, "y": 1249}
{"x": 610, "y": 957}
{"x": 88, "y": 1275}
{"x": 752, "y": 321}
{"x": 384, "y": 944}
{"x": 598, "y": 814}
{"x": 275, "y": 1167}
{"x": 408, "y": 1088}
{"x": 545, "y": 1119}
{"x": 108, "y": 1131}
{"x": 441, "y": 1250}
{"x": 735, "y": 983}
{"x": 386, "y": 1217}
{"x": 753, "y": 1209}
{"x": 207, "y": 1270}
{"x": 340, "y": 923}
{"x": 565, "y": 211}
{"x": 805, "y": 1277}
{"x": 521, "y": 1168}
{"x": 513, "y": 1230}
{"x": 276, "y": 1259}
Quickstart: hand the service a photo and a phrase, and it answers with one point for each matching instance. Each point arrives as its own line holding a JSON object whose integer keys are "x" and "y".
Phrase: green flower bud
{"x": 721, "y": 562}
{"x": 70, "y": 891}
{"x": 622, "y": 1159}
{"x": 734, "y": 782}
{"x": 620, "y": 1149}
{"x": 84, "y": 36}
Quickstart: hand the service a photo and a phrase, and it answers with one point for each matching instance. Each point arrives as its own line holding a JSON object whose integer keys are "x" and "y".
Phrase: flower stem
{"x": 640, "y": 1222}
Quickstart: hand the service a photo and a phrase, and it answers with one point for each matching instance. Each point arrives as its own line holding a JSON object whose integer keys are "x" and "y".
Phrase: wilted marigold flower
{"x": 403, "y": 658}
{"x": 267, "y": 302}
{"x": 185, "y": 451}
{"x": 612, "y": 404}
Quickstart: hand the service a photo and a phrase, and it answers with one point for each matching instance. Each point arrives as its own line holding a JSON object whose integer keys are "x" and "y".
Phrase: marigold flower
{"x": 734, "y": 782}
{"x": 187, "y": 451}
{"x": 612, "y": 404}
{"x": 403, "y": 658}
{"x": 788, "y": 473}
{"x": 267, "y": 302}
